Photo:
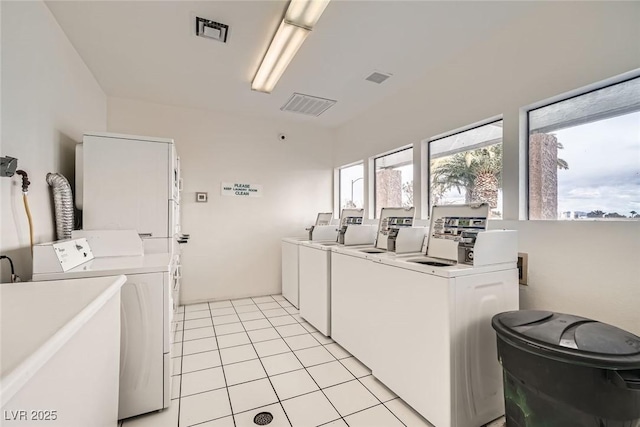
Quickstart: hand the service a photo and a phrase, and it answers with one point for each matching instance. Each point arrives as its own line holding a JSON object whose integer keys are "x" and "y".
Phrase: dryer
{"x": 146, "y": 312}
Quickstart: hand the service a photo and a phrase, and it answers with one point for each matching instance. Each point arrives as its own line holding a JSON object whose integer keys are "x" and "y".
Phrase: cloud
{"x": 620, "y": 198}
{"x": 583, "y": 193}
{"x": 618, "y": 177}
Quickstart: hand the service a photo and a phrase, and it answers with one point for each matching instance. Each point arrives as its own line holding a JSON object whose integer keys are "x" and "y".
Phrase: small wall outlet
{"x": 202, "y": 197}
{"x": 523, "y": 268}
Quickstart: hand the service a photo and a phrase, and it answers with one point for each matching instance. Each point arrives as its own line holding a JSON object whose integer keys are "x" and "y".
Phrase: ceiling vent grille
{"x": 377, "y": 77}
{"x": 306, "y": 104}
{"x": 211, "y": 29}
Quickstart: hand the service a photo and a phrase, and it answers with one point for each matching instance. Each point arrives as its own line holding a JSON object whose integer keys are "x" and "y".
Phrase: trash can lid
{"x": 569, "y": 338}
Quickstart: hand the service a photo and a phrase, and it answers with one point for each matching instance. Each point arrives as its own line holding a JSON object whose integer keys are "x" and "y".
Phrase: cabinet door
{"x": 290, "y": 272}
{"x": 126, "y": 185}
{"x": 141, "y": 345}
{"x": 314, "y": 294}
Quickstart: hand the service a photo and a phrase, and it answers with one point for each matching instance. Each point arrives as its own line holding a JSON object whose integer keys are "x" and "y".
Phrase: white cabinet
{"x": 290, "y": 272}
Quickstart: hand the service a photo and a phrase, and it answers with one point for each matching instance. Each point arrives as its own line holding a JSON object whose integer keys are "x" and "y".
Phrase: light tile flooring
{"x": 235, "y": 359}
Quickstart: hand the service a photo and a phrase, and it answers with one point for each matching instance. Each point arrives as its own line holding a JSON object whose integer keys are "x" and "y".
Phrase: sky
{"x": 347, "y": 176}
{"x": 604, "y": 166}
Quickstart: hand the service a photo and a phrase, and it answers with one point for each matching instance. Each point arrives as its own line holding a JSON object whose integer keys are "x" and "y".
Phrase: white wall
{"x": 559, "y": 47}
{"x": 234, "y": 249}
{"x": 49, "y": 98}
{"x": 590, "y": 269}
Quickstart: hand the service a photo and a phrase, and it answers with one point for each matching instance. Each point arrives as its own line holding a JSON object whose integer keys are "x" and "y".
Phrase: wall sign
{"x": 241, "y": 190}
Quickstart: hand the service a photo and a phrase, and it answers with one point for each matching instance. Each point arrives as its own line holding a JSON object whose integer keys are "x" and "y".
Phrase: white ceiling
{"x": 148, "y": 50}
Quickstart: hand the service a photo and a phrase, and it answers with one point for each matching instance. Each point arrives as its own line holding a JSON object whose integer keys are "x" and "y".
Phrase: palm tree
{"x": 487, "y": 166}
{"x": 451, "y": 172}
{"x": 478, "y": 172}
{"x": 407, "y": 192}
{"x": 562, "y": 164}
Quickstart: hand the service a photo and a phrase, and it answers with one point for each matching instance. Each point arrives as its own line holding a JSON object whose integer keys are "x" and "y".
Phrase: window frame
{"x": 375, "y": 181}
{"x": 463, "y": 129}
{"x": 576, "y": 93}
{"x": 339, "y": 170}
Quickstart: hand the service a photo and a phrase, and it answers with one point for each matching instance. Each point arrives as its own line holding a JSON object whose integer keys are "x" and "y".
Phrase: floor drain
{"x": 263, "y": 418}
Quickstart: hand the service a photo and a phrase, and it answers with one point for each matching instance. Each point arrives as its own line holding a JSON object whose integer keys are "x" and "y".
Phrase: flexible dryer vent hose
{"x": 63, "y": 204}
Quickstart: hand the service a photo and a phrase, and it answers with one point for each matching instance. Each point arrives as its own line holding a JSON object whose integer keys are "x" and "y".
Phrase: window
{"x": 352, "y": 187}
{"x": 466, "y": 167}
{"x": 584, "y": 155}
{"x": 394, "y": 180}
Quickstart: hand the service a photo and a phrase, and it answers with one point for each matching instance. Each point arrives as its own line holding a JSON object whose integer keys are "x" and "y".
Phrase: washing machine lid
{"x": 570, "y": 338}
{"x": 324, "y": 218}
{"x": 351, "y": 217}
{"x": 447, "y": 224}
{"x": 393, "y": 218}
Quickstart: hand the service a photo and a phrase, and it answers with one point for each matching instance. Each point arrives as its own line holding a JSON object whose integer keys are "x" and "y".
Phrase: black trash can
{"x": 567, "y": 371}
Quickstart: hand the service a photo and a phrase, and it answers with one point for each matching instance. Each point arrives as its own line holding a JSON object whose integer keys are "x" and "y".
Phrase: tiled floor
{"x": 235, "y": 359}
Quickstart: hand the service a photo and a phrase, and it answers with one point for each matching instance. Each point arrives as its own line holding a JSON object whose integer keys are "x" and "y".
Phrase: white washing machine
{"x": 390, "y": 222}
{"x": 324, "y": 229}
{"x": 146, "y": 312}
{"x": 315, "y": 284}
{"x": 290, "y": 279}
{"x": 422, "y": 324}
{"x": 352, "y": 274}
{"x": 314, "y": 269}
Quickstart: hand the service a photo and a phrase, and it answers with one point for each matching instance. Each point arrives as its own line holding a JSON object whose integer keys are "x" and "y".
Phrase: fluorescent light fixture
{"x": 305, "y": 13}
{"x": 283, "y": 48}
{"x": 299, "y": 20}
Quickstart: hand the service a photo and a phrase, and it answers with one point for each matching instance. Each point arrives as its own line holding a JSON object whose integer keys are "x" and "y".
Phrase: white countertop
{"x": 38, "y": 318}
